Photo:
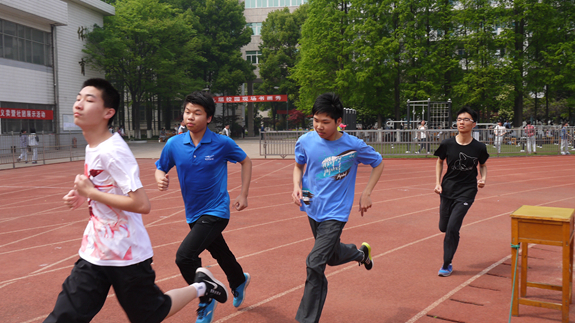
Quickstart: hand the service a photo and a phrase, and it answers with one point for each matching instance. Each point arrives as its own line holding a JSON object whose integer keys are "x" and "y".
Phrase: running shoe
{"x": 240, "y": 291}
{"x": 367, "y": 261}
{"x": 214, "y": 288}
{"x": 206, "y": 312}
{"x": 445, "y": 272}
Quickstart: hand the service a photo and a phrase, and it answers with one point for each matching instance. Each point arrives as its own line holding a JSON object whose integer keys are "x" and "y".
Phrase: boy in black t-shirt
{"x": 459, "y": 185}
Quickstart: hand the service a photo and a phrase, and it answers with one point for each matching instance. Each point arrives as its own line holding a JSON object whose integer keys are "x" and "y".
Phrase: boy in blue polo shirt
{"x": 201, "y": 158}
{"x": 326, "y": 191}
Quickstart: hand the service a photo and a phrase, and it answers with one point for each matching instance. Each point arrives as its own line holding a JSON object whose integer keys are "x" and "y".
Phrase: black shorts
{"x": 85, "y": 290}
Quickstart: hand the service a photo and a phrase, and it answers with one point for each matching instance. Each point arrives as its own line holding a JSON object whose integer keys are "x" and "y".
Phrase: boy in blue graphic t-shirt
{"x": 325, "y": 192}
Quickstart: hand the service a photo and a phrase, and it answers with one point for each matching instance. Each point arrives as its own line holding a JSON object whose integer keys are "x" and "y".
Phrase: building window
{"x": 25, "y": 44}
{"x": 253, "y": 56}
{"x": 272, "y": 3}
{"x": 256, "y": 27}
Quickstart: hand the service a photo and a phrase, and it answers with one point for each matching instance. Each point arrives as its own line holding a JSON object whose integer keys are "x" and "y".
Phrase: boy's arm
{"x": 242, "y": 200}
{"x": 483, "y": 172}
{"x": 137, "y": 201}
{"x": 365, "y": 199}
{"x": 297, "y": 176}
{"x": 438, "y": 171}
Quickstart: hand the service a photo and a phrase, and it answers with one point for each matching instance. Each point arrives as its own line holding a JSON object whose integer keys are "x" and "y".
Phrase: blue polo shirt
{"x": 202, "y": 171}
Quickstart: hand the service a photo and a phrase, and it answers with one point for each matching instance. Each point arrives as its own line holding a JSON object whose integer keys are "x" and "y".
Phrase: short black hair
{"x": 471, "y": 112}
{"x": 201, "y": 98}
{"x": 330, "y": 104}
{"x": 528, "y": 122}
{"x": 110, "y": 95}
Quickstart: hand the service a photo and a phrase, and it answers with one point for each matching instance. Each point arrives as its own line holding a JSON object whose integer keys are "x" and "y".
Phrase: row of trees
{"x": 507, "y": 58}
{"x": 157, "y": 51}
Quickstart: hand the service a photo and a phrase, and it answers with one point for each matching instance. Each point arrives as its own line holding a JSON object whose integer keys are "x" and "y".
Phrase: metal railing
{"x": 51, "y": 148}
{"x": 391, "y": 143}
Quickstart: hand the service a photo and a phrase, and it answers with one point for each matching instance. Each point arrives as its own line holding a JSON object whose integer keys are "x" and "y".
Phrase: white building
{"x": 41, "y": 65}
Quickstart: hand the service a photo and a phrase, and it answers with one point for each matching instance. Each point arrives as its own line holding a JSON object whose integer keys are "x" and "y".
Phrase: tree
{"x": 324, "y": 47}
{"x": 222, "y": 32}
{"x": 144, "y": 46}
{"x": 280, "y": 34}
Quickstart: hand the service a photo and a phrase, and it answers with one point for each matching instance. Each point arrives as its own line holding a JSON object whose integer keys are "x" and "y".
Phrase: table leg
{"x": 515, "y": 282}
{"x": 524, "y": 252}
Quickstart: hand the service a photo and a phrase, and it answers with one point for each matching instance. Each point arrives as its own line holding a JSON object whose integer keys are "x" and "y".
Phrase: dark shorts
{"x": 86, "y": 289}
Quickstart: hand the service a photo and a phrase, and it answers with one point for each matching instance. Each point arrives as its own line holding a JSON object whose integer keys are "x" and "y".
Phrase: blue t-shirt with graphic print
{"x": 328, "y": 183}
{"x": 202, "y": 171}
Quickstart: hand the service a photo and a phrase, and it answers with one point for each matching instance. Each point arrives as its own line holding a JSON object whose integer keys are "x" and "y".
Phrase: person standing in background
{"x": 33, "y": 142}
{"x": 23, "y": 146}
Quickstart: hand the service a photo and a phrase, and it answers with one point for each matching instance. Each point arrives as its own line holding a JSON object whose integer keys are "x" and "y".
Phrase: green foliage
{"x": 222, "y": 32}
{"x": 491, "y": 55}
{"x": 143, "y": 48}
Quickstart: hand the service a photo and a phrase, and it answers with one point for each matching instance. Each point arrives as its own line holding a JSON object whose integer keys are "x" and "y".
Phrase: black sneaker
{"x": 367, "y": 261}
{"x": 214, "y": 288}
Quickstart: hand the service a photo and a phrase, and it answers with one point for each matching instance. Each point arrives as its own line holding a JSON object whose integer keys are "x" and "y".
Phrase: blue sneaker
{"x": 206, "y": 312}
{"x": 445, "y": 272}
{"x": 240, "y": 291}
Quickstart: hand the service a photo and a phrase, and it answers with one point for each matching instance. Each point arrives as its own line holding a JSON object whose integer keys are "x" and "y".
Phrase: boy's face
{"x": 196, "y": 118}
{"x": 89, "y": 110}
{"x": 325, "y": 126}
{"x": 462, "y": 124}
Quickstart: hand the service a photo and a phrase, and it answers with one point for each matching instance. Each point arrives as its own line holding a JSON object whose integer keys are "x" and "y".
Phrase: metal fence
{"x": 51, "y": 148}
{"x": 391, "y": 143}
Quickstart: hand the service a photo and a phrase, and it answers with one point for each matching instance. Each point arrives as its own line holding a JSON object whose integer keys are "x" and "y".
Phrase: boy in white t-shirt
{"x": 116, "y": 249}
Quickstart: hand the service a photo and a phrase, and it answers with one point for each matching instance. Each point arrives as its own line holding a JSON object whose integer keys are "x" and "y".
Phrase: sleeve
{"x": 300, "y": 156}
{"x": 234, "y": 153}
{"x": 367, "y": 155}
{"x": 441, "y": 151}
{"x": 166, "y": 161}
{"x": 484, "y": 155}
{"x": 124, "y": 170}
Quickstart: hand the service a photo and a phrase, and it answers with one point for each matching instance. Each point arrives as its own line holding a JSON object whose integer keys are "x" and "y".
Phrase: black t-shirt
{"x": 460, "y": 180}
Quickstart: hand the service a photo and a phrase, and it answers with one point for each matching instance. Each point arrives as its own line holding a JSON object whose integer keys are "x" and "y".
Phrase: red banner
{"x": 7, "y": 113}
{"x": 251, "y": 98}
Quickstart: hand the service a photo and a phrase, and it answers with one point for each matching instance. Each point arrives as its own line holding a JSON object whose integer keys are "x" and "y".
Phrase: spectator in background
{"x": 227, "y": 132}
{"x": 162, "y": 135}
{"x": 182, "y": 128}
{"x": 499, "y": 131}
{"x": 530, "y": 134}
{"x": 565, "y": 139}
{"x": 422, "y": 137}
{"x": 33, "y": 142}
{"x": 23, "y": 146}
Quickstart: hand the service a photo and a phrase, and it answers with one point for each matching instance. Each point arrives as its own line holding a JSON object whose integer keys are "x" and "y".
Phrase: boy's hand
{"x": 73, "y": 200}
{"x": 364, "y": 203}
{"x": 163, "y": 182}
{"x": 297, "y": 195}
{"x": 83, "y": 185}
{"x": 241, "y": 203}
{"x": 480, "y": 183}
{"x": 438, "y": 189}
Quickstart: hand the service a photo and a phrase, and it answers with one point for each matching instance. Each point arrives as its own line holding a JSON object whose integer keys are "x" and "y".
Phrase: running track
{"x": 39, "y": 239}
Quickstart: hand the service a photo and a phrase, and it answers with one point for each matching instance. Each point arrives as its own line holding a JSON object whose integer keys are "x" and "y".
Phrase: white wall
{"x": 26, "y": 82}
{"x": 69, "y": 54}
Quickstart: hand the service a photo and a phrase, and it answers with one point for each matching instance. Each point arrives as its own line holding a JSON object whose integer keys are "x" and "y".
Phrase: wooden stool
{"x": 548, "y": 226}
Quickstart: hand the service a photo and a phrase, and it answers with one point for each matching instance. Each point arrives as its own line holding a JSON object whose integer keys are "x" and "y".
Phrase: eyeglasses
{"x": 464, "y": 119}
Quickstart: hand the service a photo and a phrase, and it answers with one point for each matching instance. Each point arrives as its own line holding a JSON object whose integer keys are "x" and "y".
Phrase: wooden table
{"x": 548, "y": 226}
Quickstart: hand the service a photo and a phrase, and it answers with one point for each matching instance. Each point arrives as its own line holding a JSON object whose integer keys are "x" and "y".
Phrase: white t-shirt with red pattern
{"x": 114, "y": 237}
